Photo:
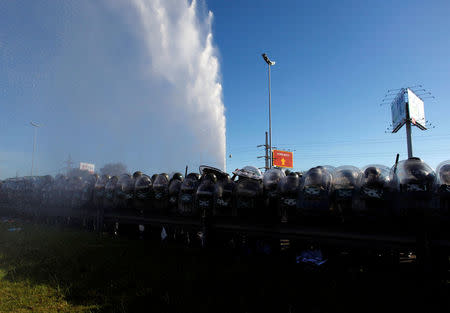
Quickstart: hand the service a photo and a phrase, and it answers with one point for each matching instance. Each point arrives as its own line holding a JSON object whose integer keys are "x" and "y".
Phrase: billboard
{"x": 416, "y": 110}
{"x": 398, "y": 110}
{"x": 282, "y": 158}
{"x": 87, "y": 167}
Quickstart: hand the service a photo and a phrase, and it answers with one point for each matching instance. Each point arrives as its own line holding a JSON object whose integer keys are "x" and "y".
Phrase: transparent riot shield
{"x": 443, "y": 188}
{"x": 249, "y": 193}
{"x": 315, "y": 195}
{"x": 187, "y": 197}
{"x": 416, "y": 181}
{"x": 346, "y": 190}
{"x": 375, "y": 195}
{"x": 143, "y": 193}
{"x": 288, "y": 189}
{"x": 161, "y": 194}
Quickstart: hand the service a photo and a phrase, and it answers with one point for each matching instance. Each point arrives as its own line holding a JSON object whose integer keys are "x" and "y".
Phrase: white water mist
{"x": 131, "y": 81}
{"x": 179, "y": 45}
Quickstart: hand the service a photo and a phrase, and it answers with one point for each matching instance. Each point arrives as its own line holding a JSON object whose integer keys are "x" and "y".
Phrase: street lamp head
{"x": 35, "y": 124}
{"x": 266, "y": 58}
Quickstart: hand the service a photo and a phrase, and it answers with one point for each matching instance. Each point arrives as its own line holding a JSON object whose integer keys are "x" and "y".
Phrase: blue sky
{"x": 335, "y": 60}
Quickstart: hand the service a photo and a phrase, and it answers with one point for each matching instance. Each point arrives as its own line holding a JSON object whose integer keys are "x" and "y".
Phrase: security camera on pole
{"x": 269, "y": 64}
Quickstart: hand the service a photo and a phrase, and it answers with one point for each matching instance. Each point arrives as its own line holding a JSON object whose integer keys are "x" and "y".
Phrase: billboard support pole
{"x": 408, "y": 139}
{"x": 408, "y": 132}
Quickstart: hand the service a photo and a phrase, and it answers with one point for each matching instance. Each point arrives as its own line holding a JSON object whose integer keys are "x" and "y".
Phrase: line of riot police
{"x": 346, "y": 195}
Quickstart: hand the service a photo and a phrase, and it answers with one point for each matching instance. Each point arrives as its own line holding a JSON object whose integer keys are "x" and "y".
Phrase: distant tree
{"x": 113, "y": 169}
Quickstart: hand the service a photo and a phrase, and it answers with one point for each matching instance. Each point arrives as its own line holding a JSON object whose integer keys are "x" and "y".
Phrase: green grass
{"x": 24, "y": 296}
{"x": 50, "y": 269}
{"x": 32, "y": 275}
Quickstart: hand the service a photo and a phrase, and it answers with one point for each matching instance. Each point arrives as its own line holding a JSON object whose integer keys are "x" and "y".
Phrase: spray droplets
{"x": 179, "y": 42}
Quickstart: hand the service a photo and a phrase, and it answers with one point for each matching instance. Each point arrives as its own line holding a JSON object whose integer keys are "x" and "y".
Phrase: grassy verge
{"x": 50, "y": 269}
{"x": 32, "y": 273}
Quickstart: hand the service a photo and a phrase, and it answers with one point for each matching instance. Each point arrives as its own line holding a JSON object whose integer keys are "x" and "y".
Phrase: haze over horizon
{"x": 136, "y": 82}
{"x": 159, "y": 85}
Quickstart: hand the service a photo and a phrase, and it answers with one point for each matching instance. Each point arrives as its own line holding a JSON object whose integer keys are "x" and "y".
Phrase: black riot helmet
{"x": 444, "y": 174}
{"x": 371, "y": 174}
{"x": 316, "y": 175}
{"x": 161, "y": 181}
{"x": 289, "y": 183}
{"x": 443, "y": 171}
{"x": 349, "y": 176}
{"x": 207, "y": 183}
{"x": 95, "y": 177}
{"x": 346, "y": 176}
{"x": 375, "y": 176}
{"x": 125, "y": 178}
{"x": 103, "y": 180}
{"x": 193, "y": 176}
{"x": 190, "y": 182}
{"x": 177, "y": 176}
{"x": 413, "y": 174}
{"x": 272, "y": 177}
{"x": 210, "y": 177}
{"x": 143, "y": 182}
{"x": 48, "y": 179}
{"x": 113, "y": 180}
{"x": 292, "y": 176}
{"x": 91, "y": 179}
{"x": 225, "y": 179}
{"x": 137, "y": 174}
{"x": 415, "y": 170}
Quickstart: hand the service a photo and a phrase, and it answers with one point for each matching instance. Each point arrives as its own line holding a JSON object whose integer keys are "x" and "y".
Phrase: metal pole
{"x": 35, "y": 125}
{"x": 408, "y": 139}
{"x": 34, "y": 148}
{"x": 408, "y": 133}
{"x": 270, "y": 123}
{"x": 396, "y": 163}
{"x": 267, "y": 153}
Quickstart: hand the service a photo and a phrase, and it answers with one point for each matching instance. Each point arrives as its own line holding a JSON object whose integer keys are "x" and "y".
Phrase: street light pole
{"x": 269, "y": 64}
{"x": 35, "y": 125}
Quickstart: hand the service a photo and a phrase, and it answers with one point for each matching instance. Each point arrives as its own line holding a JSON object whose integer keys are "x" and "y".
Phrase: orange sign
{"x": 282, "y": 158}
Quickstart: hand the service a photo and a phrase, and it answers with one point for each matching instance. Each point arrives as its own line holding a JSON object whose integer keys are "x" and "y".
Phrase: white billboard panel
{"x": 398, "y": 110}
{"x": 416, "y": 110}
{"x": 87, "y": 167}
